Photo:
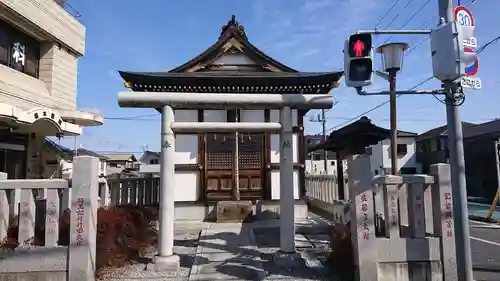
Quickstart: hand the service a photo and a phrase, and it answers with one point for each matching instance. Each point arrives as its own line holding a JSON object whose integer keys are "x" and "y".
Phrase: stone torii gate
{"x": 166, "y": 260}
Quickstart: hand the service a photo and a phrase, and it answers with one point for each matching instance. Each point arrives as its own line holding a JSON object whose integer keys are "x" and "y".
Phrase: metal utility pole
{"x": 394, "y": 126}
{"x": 325, "y": 153}
{"x": 457, "y": 166}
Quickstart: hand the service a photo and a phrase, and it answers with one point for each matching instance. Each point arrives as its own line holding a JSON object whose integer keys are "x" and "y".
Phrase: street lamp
{"x": 392, "y": 59}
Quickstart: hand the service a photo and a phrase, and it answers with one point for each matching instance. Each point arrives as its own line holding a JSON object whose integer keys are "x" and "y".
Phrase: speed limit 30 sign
{"x": 463, "y": 16}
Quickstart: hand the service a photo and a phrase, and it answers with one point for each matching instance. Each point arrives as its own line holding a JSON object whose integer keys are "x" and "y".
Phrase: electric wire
{"x": 398, "y": 14}
{"x": 414, "y": 87}
{"x": 409, "y": 19}
{"x": 386, "y": 13}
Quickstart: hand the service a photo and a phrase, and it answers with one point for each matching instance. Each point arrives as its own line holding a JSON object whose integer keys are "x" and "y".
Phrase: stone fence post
{"x": 84, "y": 205}
{"x": 362, "y": 217}
{"x": 442, "y": 208}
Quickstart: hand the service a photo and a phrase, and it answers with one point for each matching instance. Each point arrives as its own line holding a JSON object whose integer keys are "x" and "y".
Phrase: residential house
{"x": 380, "y": 158}
{"x": 40, "y": 43}
{"x": 58, "y": 161}
{"x": 314, "y": 163}
{"x": 122, "y": 164}
{"x": 432, "y": 146}
{"x": 150, "y": 163}
{"x": 480, "y": 159}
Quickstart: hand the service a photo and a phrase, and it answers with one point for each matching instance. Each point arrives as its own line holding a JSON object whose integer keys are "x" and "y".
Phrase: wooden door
{"x": 219, "y": 165}
{"x": 251, "y": 166}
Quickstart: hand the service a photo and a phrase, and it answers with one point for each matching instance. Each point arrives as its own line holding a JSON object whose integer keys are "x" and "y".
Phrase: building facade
{"x": 380, "y": 158}
{"x": 315, "y": 163}
{"x": 207, "y": 164}
{"x": 40, "y": 43}
{"x": 121, "y": 164}
{"x": 432, "y": 146}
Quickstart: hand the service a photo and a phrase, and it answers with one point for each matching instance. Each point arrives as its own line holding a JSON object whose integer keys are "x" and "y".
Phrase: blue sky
{"x": 306, "y": 35}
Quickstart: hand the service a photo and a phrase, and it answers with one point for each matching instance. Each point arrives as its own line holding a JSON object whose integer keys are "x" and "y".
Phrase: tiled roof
{"x": 442, "y": 131}
{"x": 492, "y": 127}
{"x": 119, "y": 157}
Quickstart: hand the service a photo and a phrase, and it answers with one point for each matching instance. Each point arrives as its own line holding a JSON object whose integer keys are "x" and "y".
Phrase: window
{"x": 317, "y": 156}
{"x": 154, "y": 161}
{"x": 402, "y": 149}
{"x": 18, "y": 51}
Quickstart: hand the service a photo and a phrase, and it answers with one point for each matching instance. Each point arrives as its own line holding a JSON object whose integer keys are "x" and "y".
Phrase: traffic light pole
{"x": 457, "y": 166}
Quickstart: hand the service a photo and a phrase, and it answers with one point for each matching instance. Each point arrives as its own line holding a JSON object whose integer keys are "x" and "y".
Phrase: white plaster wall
{"x": 186, "y": 146}
{"x": 214, "y": 115}
{"x": 377, "y": 158}
{"x": 146, "y": 159}
{"x": 186, "y": 186}
{"x": 380, "y": 155}
{"x": 315, "y": 167}
{"x": 275, "y": 185}
{"x": 252, "y": 115}
{"x": 186, "y": 152}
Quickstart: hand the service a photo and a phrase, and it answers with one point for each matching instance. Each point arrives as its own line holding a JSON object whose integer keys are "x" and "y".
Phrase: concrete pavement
{"x": 485, "y": 244}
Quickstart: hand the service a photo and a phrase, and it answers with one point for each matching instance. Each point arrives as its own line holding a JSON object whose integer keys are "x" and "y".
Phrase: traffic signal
{"x": 358, "y": 62}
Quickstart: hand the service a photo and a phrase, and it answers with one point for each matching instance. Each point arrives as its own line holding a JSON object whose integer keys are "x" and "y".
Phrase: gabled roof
{"x": 58, "y": 149}
{"x": 83, "y": 151}
{"x": 487, "y": 128}
{"x": 120, "y": 157}
{"x": 148, "y": 152}
{"x": 441, "y": 131}
{"x": 354, "y": 137}
{"x": 206, "y": 73}
{"x": 232, "y": 35}
{"x": 406, "y": 134}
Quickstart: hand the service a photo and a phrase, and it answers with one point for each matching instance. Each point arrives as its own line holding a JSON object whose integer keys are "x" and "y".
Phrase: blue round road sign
{"x": 472, "y": 69}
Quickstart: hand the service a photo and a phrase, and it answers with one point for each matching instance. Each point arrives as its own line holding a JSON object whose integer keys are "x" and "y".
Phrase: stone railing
{"x": 134, "y": 191}
{"x": 417, "y": 240}
{"x": 25, "y": 259}
{"x": 322, "y": 192}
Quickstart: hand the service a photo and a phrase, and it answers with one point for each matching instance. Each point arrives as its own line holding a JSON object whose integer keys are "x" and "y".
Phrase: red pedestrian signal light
{"x": 358, "y": 64}
{"x": 360, "y": 45}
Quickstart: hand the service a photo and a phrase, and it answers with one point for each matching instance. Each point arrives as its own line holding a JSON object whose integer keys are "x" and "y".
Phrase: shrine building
{"x": 205, "y": 168}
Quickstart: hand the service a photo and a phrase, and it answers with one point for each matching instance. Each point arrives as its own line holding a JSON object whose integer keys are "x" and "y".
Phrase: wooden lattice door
{"x": 219, "y": 164}
{"x": 251, "y": 166}
{"x": 220, "y": 161}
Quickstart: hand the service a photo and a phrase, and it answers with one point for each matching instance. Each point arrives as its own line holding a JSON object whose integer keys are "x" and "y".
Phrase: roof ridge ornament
{"x": 234, "y": 27}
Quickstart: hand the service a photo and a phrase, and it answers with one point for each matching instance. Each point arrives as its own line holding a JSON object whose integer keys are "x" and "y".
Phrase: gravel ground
{"x": 184, "y": 246}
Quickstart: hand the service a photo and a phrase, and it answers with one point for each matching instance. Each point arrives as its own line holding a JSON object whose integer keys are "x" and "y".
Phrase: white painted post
{"x": 82, "y": 248}
{"x": 287, "y": 200}
{"x": 106, "y": 194}
{"x": 4, "y": 210}
{"x": 26, "y": 233}
{"x": 52, "y": 213}
{"x": 362, "y": 217}
{"x": 442, "y": 207}
{"x": 166, "y": 260}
